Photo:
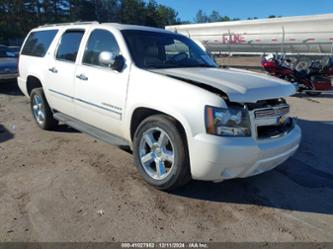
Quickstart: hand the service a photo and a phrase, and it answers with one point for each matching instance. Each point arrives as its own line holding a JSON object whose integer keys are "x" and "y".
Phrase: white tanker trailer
{"x": 307, "y": 35}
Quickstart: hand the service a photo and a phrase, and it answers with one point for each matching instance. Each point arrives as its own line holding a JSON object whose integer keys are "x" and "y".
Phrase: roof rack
{"x": 67, "y": 23}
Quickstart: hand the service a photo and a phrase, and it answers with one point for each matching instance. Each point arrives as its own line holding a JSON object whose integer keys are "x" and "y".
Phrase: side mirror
{"x": 106, "y": 58}
{"x": 109, "y": 59}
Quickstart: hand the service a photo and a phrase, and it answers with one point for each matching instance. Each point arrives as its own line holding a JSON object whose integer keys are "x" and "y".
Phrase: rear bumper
{"x": 216, "y": 158}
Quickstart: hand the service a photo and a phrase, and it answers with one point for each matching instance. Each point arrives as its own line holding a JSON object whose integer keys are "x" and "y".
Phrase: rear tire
{"x": 41, "y": 110}
{"x": 160, "y": 153}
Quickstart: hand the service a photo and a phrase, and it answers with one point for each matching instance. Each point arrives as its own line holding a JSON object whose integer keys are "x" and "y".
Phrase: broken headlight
{"x": 231, "y": 121}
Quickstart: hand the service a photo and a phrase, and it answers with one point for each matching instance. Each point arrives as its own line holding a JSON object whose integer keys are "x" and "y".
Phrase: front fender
{"x": 180, "y": 100}
{"x": 168, "y": 111}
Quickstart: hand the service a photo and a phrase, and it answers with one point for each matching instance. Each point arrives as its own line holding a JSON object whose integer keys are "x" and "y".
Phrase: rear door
{"x": 100, "y": 91}
{"x": 61, "y": 71}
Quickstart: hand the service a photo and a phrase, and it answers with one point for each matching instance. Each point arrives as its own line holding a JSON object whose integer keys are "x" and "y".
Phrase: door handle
{"x": 82, "y": 77}
{"x": 53, "y": 70}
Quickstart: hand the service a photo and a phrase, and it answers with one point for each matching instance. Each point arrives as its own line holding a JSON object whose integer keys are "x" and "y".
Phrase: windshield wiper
{"x": 199, "y": 65}
{"x": 179, "y": 66}
{"x": 204, "y": 65}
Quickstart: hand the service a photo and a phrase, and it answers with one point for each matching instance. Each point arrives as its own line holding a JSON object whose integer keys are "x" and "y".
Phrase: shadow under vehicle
{"x": 303, "y": 183}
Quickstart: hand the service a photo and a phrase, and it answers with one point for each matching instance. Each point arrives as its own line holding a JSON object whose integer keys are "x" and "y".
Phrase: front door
{"x": 100, "y": 91}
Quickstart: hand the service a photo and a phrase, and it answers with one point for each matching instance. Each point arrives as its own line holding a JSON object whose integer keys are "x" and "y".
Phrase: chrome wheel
{"x": 156, "y": 153}
{"x": 37, "y": 109}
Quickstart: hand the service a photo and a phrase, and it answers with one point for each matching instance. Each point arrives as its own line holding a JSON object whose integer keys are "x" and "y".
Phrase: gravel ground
{"x": 66, "y": 186}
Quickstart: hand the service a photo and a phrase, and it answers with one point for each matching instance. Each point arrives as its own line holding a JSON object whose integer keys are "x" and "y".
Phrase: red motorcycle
{"x": 327, "y": 67}
{"x": 313, "y": 80}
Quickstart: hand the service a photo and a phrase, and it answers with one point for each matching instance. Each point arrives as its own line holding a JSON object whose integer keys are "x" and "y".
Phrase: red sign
{"x": 233, "y": 39}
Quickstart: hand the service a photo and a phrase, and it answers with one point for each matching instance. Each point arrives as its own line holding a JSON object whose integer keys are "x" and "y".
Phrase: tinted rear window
{"x": 38, "y": 43}
{"x": 69, "y": 45}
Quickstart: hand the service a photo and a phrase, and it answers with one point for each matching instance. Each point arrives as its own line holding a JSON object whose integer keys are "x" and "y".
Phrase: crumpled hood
{"x": 240, "y": 85}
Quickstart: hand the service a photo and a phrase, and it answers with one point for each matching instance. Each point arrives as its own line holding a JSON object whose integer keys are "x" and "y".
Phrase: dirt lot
{"x": 66, "y": 186}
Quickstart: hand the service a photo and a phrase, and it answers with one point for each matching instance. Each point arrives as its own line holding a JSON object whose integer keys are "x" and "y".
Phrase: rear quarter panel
{"x": 35, "y": 66}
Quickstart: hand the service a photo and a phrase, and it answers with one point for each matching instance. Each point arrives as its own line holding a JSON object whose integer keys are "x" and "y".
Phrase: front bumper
{"x": 9, "y": 76}
{"x": 216, "y": 158}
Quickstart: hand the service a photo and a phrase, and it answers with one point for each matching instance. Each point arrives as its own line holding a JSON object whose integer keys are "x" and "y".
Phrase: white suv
{"x": 161, "y": 94}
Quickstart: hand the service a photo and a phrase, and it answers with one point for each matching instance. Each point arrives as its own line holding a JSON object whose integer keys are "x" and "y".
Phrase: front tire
{"x": 160, "y": 153}
{"x": 41, "y": 110}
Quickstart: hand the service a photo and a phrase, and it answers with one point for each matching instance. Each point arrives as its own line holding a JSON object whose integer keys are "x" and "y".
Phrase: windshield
{"x": 165, "y": 50}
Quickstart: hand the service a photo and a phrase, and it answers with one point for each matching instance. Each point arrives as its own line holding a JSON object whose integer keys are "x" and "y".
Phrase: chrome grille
{"x": 270, "y": 112}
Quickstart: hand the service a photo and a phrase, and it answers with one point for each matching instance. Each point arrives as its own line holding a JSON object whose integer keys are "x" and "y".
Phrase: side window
{"x": 38, "y": 43}
{"x": 99, "y": 41}
{"x": 69, "y": 45}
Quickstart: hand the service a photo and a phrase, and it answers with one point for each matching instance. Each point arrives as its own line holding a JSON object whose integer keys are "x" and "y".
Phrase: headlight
{"x": 233, "y": 121}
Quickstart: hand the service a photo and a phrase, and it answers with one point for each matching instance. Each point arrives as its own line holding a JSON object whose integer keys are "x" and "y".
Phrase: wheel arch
{"x": 141, "y": 113}
{"x": 32, "y": 83}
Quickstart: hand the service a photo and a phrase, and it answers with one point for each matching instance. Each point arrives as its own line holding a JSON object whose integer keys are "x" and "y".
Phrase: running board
{"x": 90, "y": 130}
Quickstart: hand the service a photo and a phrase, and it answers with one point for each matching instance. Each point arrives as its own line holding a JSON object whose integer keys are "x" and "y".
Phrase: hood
{"x": 10, "y": 63}
{"x": 240, "y": 86}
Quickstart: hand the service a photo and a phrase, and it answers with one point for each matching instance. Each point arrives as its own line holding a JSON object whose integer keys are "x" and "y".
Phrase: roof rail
{"x": 67, "y": 23}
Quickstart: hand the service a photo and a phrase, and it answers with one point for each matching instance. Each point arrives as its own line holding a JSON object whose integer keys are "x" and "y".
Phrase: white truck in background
{"x": 298, "y": 35}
